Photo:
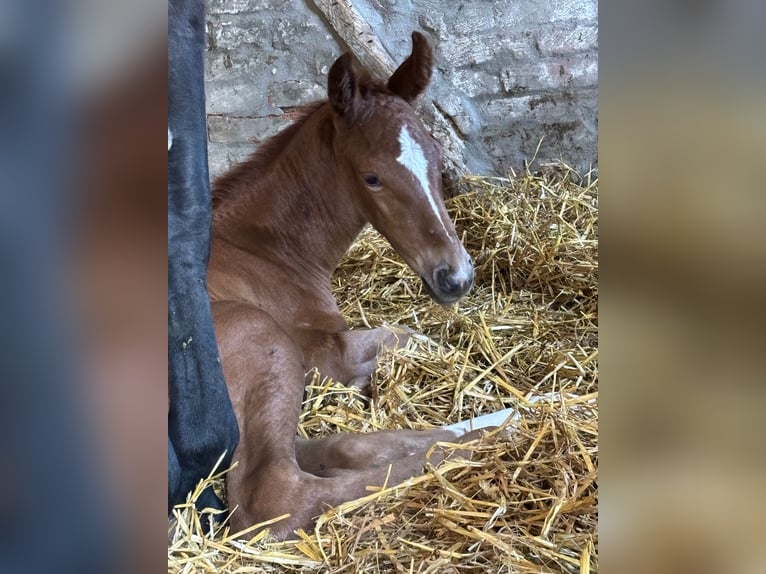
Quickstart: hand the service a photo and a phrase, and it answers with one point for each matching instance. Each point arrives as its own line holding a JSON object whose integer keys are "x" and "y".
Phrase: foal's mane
{"x": 230, "y": 182}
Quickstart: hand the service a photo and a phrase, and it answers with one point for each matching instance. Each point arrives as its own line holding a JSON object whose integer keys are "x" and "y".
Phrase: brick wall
{"x": 508, "y": 73}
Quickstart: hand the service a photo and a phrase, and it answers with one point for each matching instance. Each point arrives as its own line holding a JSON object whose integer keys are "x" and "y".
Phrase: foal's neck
{"x": 292, "y": 205}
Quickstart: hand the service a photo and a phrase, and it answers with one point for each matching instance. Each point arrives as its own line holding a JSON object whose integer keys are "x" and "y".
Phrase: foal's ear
{"x": 343, "y": 87}
{"x": 412, "y": 77}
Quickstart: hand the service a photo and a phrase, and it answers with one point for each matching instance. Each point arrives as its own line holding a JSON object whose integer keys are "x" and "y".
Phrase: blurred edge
{"x": 83, "y": 348}
{"x": 83, "y": 251}
{"x": 682, "y": 146}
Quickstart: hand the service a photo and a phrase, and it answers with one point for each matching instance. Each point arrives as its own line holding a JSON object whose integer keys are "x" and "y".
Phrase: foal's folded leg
{"x": 265, "y": 375}
{"x": 281, "y": 488}
{"x": 351, "y": 356}
{"x": 321, "y": 456}
{"x": 328, "y": 455}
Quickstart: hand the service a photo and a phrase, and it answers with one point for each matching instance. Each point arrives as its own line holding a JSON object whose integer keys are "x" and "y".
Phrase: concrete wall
{"x": 508, "y": 73}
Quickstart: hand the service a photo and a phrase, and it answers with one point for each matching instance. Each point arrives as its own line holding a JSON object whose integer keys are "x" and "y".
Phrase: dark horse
{"x": 282, "y": 221}
{"x": 201, "y": 423}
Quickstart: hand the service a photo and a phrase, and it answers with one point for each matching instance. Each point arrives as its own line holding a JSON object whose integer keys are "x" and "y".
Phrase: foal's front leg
{"x": 351, "y": 357}
{"x": 360, "y": 350}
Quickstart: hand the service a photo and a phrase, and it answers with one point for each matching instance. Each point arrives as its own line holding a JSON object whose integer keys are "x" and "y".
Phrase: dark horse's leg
{"x": 201, "y": 422}
{"x": 265, "y": 374}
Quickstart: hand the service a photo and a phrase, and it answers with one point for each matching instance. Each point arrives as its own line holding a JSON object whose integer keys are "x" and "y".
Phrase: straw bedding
{"x": 526, "y": 338}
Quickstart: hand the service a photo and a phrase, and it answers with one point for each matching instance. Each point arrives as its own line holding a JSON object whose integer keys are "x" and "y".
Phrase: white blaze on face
{"x": 413, "y": 158}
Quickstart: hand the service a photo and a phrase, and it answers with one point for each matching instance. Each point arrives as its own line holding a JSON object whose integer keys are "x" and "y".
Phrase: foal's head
{"x": 392, "y": 166}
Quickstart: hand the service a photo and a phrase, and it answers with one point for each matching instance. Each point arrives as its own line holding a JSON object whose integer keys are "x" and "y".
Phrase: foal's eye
{"x": 372, "y": 182}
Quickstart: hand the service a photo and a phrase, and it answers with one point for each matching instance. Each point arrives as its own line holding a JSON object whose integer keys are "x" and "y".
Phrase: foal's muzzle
{"x": 447, "y": 284}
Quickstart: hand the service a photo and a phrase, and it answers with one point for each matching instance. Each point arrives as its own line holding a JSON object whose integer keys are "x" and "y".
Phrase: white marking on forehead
{"x": 413, "y": 158}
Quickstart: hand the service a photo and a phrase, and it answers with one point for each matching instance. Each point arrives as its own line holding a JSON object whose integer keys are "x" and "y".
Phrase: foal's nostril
{"x": 446, "y": 280}
{"x": 447, "y": 284}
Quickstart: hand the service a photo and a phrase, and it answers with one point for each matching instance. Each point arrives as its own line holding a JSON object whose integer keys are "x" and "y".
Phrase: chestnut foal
{"x": 282, "y": 221}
